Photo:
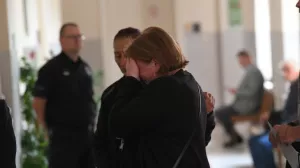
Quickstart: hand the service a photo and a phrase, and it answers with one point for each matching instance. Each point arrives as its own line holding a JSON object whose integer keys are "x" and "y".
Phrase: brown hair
{"x": 156, "y": 44}
{"x": 243, "y": 53}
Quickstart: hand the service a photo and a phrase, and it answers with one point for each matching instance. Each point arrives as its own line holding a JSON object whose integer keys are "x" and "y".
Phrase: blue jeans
{"x": 262, "y": 151}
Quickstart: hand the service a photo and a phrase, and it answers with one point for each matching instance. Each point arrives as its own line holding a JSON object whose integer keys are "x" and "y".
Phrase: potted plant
{"x": 33, "y": 140}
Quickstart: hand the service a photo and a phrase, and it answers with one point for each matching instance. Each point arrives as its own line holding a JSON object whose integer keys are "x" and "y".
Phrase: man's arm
{"x": 39, "y": 105}
{"x": 294, "y": 132}
{"x": 41, "y": 92}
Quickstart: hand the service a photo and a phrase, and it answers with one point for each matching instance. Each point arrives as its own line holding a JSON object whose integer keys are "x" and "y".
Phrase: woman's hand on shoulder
{"x": 209, "y": 101}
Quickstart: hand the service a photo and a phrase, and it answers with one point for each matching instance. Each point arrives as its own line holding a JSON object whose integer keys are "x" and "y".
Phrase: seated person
{"x": 248, "y": 98}
{"x": 260, "y": 146}
{"x": 7, "y": 140}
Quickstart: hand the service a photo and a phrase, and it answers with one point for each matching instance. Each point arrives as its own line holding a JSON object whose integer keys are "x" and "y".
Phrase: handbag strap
{"x": 191, "y": 137}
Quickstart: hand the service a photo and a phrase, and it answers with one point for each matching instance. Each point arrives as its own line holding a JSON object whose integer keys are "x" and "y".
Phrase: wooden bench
{"x": 266, "y": 107}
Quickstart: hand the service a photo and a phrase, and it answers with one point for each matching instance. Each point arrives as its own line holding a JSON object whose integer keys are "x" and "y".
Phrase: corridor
{"x": 238, "y": 157}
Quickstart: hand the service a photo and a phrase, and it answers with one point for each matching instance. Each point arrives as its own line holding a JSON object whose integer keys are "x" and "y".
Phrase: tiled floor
{"x": 219, "y": 157}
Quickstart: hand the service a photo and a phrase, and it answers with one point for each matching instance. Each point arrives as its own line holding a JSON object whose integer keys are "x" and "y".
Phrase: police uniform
{"x": 108, "y": 147}
{"x": 69, "y": 112}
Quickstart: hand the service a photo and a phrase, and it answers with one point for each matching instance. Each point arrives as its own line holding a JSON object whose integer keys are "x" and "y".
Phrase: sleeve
{"x": 210, "y": 126}
{"x": 135, "y": 110}
{"x": 43, "y": 84}
{"x": 251, "y": 84}
{"x": 101, "y": 139}
{"x": 7, "y": 140}
{"x": 291, "y": 104}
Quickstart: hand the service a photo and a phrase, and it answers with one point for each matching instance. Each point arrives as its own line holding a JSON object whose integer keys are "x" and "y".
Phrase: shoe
{"x": 233, "y": 142}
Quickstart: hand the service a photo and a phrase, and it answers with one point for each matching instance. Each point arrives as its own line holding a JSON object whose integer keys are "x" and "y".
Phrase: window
{"x": 290, "y": 26}
{"x": 263, "y": 38}
{"x": 25, "y": 10}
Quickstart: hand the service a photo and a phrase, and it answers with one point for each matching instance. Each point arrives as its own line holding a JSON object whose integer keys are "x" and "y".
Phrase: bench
{"x": 266, "y": 107}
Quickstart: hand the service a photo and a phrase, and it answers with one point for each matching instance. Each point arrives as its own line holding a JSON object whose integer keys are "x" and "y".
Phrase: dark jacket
{"x": 106, "y": 144}
{"x": 291, "y": 111}
{"x": 291, "y": 108}
{"x": 250, "y": 91}
{"x": 7, "y": 140}
{"x": 157, "y": 121}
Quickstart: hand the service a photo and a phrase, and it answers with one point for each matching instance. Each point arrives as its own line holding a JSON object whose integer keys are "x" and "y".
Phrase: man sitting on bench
{"x": 260, "y": 146}
{"x": 248, "y": 98}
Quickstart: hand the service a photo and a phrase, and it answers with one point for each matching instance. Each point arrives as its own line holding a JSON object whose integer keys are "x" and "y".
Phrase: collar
{"x": 295, "y": 81}
{"x": 250, "y": 66}
{"x": 67, "y": 58}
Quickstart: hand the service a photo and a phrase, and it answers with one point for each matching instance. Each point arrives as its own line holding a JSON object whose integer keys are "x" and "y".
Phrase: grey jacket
{"x": 250, "y": 92}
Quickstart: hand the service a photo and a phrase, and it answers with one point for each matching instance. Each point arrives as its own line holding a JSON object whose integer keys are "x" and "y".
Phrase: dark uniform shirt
{"x": 67, "y": 86}
{"x": 107, "y": 145}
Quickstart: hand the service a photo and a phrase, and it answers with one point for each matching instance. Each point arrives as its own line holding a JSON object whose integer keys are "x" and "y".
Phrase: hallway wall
{"x": 211, "y": 51}
{"x": 173, "y": 16}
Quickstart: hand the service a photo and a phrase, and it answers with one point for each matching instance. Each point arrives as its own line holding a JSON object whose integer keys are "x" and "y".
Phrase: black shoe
{"x": 233, "y": 142}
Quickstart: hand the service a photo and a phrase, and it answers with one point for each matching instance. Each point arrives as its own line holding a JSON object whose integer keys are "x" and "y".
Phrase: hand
{"x": 232, "y": 90}
{"x": 209, "y": 101}
{"x": 264, "y": 117}
{"x": 284, "y": 134}
{"x": 273, "y": 140}
{"x": 132, "y": 68}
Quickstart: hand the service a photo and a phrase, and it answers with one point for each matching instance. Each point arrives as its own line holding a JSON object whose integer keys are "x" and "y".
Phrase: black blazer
{"x": 106, "y": 144}
{"x": 157, "y": 121}
{"x": 7, "y": 140}
{"x": 291, "y": 104}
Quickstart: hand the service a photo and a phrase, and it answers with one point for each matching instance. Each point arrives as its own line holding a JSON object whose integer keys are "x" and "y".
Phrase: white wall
{"x": 216, "y": 47}
{"x": 201, "y": 49}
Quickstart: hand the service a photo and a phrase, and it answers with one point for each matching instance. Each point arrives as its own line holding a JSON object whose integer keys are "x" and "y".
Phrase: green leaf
{"x": 33, "y": 142}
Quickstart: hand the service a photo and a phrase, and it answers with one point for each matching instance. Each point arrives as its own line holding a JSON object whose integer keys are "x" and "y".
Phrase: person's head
{"x": 290, "y": 70}
{"x": 244, "y": 58}
{"x": 122, "y": 40}
{"x": 298, "y": 5}
{"x": 156, "y": 53}
{"x": 70, "y": 38}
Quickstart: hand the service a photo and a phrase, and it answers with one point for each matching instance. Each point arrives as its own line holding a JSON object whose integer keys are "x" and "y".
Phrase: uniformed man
{"x": 107, "y": 146}
{"x": 63, "y": 101}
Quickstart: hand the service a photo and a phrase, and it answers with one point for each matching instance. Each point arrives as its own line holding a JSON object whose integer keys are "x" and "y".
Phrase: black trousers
{"x": 70, "y": 149}
{"x": 224, "y": 115}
